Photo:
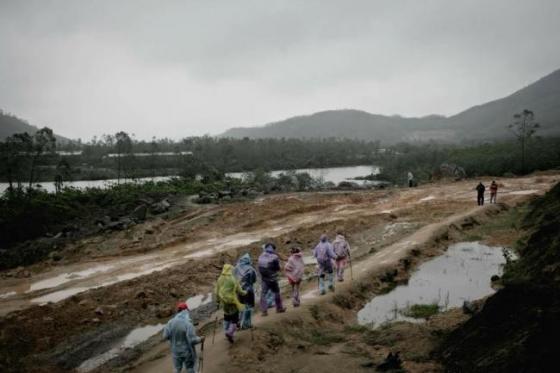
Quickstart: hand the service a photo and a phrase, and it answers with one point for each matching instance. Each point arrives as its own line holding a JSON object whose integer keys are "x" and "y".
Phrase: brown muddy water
{"x": 461, "y": 274}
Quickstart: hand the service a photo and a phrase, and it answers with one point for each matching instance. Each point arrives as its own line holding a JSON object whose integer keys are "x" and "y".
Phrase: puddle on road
{"x": 7, "y": 295}
{"x": 429, "y": 198}
{"x": 524, "y": 192}
{"x": 200, "y": 254}
{"x": 199, "y": 300}
{"x": 239, "y": 242}
{"x": 462, "y": 273}
{"x": 66, "y": 277}
{"x": 133, "y": 339}
{"x": 57, "y": 296}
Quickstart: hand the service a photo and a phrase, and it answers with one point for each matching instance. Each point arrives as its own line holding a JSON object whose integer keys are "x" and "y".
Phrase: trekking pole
{"x": 215, "y": 327}
{"x": 201, "y": 358}
{"x": 351, "y": 271}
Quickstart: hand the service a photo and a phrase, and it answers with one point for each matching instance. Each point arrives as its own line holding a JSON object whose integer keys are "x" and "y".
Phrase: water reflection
{"x": 462, "y": 273}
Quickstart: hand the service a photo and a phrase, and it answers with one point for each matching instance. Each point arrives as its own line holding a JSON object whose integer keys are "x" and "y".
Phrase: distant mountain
{"x": 483, "y": 122}
{"x": 10, "y": 124}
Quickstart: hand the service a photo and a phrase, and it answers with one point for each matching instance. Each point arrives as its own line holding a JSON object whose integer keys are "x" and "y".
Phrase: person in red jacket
{"x": 493, "y": 192}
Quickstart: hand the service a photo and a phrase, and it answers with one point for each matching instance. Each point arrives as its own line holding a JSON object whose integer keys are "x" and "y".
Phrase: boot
{"x": 231, "y": 331}
{"x": 246, "y": 321}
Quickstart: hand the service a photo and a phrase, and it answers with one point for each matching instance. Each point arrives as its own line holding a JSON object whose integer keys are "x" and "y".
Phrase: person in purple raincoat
{"x": 269, "y": 267}
{"x": 325, "y": 256}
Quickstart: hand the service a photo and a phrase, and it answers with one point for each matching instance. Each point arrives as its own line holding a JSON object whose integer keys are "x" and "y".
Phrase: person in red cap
{"x": 182, "y": 338}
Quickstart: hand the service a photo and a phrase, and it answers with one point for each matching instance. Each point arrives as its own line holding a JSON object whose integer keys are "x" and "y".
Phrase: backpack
{"x": 323, "y": 258}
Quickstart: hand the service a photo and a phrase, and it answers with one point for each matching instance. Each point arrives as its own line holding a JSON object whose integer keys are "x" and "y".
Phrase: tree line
{"x": 31, "y": 158}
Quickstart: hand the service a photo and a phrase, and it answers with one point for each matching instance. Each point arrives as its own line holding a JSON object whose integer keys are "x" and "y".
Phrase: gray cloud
{"x": 178, "y": 68}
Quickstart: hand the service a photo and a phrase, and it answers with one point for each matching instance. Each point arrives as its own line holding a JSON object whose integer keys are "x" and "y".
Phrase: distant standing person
{"x": 182, "y": 337}
{"x": 247, "y": 276}
{"x": 480, "y": 188}
{"x": 410, "y": 179}
{"x": 342, "y": 251}
{"x": 325, "y": 256}
{"x": 269, "y": 266}
{"x": 493, "y": 192}
{"x": 294, "y": 270}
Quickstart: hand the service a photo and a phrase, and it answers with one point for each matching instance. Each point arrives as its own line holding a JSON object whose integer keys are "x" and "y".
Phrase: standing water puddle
{"x": 462, "y": 273}
{"x": 137, "y": 336}
{"x": 199, "y": 300}
{"x": 66, "y": 277}
{"x": 133, "y": 339}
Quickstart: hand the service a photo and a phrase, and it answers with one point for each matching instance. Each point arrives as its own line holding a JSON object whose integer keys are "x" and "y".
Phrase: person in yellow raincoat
{"x": 227, "y": 291}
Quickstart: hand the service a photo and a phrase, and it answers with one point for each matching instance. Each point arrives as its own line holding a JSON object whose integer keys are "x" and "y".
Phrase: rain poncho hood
{"x": 324, "y": 254}
{"x": 182, "y": 337}
{"x": 245, "y": 272}
{"x": 269, "y": 264}
{"x": 227, "y": 289}
{"x": 341, "y": 247}
{"x": 295, "y": 267}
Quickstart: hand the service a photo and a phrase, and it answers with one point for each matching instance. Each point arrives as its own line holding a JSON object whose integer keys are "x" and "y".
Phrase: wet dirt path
{"x": 238, "y": 225}
{"x": 217, "y": 356}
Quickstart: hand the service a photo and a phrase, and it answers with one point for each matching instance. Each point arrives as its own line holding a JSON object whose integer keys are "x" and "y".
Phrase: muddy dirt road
{"x": 80, "y": 307}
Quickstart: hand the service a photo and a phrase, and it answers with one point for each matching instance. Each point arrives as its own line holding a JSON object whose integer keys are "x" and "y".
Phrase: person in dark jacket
{"x": 269, "y": 267}
{"x": 480, "y": 188}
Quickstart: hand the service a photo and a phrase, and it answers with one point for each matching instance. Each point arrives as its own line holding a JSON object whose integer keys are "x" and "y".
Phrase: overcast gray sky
{"x": 180, "y": 68}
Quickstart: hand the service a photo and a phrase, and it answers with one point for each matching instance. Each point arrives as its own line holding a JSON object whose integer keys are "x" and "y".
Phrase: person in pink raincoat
{"x": 341, "y": 248}
{"x": 294, "y": 271}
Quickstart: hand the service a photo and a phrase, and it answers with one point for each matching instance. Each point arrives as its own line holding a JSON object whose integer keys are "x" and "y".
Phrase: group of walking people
{"x": 235, "y": 292}
{"x": 235, "y": 288}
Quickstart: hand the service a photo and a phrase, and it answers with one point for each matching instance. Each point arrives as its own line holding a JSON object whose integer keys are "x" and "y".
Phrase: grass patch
{"x": 421, "y": 311}
{"x": 324, "y": 338}
{"x": 388, "y": 287}
{"x": 315, "y": 312}
{"x": 473, "y": 237}
{"x": 356, "y": 328}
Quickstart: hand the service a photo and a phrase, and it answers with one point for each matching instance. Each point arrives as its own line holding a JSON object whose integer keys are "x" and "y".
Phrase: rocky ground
{"x": 59, "y": 313}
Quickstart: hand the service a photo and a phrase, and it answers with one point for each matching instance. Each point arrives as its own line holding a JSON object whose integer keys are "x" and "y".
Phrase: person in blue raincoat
{"x": 182, "y": 337}
{"x": 247, "y": 276}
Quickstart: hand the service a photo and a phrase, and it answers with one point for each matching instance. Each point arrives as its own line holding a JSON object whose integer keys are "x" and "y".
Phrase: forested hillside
{"x": 479, "y": 123}
{"x": 11, "y": 124}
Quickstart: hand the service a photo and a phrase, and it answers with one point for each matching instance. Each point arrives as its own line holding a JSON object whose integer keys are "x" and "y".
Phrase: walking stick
{"x": 351, "y": 271}
{"x": 201, "y": 358}
{"x": 215, "y": 327}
